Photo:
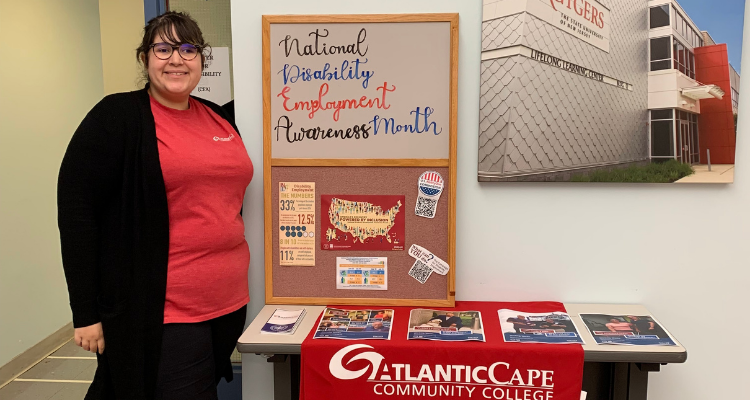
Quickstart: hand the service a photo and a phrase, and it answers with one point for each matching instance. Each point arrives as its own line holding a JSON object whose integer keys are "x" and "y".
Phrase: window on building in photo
{"x": 662, "y": 133}
{"x": 659, "y": 16}
{"x": 684, "y": 60}
{"x": 695, "y": 146}
{"x": 683, "y": 28}
{"x": 660, "y": 53}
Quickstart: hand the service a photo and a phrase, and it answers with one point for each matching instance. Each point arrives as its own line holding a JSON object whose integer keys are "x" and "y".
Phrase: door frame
{"x": 686, "y": 144}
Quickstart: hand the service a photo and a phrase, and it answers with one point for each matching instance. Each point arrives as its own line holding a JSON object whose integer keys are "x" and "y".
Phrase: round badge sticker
{"x": 430, "y": 186}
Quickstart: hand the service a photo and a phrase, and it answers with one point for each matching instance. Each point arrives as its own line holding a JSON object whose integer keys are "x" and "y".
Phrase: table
{"x": 610, "y": 372}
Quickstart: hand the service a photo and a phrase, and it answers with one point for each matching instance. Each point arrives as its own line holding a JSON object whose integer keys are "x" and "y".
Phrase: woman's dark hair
{"x": 166, "y": 26}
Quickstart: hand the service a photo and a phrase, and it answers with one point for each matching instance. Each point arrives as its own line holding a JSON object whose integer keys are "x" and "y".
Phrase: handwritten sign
{"x": 360, "y": 90}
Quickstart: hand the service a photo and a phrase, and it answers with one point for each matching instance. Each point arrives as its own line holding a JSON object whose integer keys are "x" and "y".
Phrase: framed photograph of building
{"x": 607, "y": 91}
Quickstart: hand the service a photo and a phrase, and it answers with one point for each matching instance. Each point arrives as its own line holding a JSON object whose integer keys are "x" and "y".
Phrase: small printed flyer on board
{"x": 636, "y": 330}
{"x": 297, "y": 224}
{"x": 355, "y": 324}
{"x": 362, "y": 222}
{"x": 551, "y": 327}
{"x": 445, "y": 325}
{"x": 368, "y": 273}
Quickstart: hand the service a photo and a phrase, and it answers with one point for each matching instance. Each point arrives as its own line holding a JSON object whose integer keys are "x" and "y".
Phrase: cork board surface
{"x": 320, "y": 280}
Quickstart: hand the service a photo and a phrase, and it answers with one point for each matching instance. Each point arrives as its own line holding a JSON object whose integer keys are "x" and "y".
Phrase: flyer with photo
{"x": 368, "y": 273}
{"x": 445, "y": 325}
{"x": 354, "y": 324}
{"x": 550, "y": 327}
{"x": 638, "y": 330}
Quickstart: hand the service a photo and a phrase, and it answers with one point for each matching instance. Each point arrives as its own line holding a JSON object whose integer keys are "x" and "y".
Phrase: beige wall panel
{"x": 51, "y": 77}
{"x": 121, "y": 29}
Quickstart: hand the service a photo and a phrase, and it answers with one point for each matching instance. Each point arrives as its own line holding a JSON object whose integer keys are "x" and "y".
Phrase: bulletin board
{"x": 359, "y": 124}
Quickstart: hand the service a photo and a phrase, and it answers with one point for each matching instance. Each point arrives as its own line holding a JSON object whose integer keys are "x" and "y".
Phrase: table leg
{"x": 295, "y": 368}
{"x": 617, "y": 381}
{"x": 285, "y": 387}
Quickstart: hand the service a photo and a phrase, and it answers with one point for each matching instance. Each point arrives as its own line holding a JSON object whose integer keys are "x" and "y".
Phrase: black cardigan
{"x": 114, "y": 234}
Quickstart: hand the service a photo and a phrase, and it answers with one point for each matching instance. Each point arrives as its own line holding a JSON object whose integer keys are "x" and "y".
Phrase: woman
{"x": 149, "y": 199}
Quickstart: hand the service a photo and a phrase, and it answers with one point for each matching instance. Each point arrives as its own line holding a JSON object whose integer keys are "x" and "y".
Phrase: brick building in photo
{"x": 574, "y": 87}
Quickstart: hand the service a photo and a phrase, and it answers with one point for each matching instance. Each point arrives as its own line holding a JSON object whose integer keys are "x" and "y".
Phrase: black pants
{"x": 194, "y": 357}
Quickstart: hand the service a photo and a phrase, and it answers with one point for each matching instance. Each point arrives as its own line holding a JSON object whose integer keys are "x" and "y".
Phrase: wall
{"x": 121, "y": 30}
{"x": 680, "y": 251}
{"x": 51, "y": 76}
{"x": 716, "y": 123}
{"x": 707, "y": 39}
{"x": 665, "y": 91}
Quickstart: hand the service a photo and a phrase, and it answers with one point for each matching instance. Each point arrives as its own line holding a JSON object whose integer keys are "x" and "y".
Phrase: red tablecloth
{"x": 401, "y": 368}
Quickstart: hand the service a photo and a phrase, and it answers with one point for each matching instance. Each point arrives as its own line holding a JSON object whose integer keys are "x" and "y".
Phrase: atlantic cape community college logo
{"x": 281, "y": 328}
{"x": 498, "y": 380}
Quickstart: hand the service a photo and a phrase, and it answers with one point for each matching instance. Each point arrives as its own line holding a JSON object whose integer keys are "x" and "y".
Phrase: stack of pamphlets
{"x": 283, "y": 322}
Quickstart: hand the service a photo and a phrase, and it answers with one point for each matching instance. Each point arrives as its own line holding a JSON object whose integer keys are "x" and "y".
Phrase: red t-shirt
{"x": 206, "y": 171}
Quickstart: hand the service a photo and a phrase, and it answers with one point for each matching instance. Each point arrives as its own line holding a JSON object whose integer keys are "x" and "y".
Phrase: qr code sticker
{"x": 425, "y": 207}
{"x": 420, "y": 271}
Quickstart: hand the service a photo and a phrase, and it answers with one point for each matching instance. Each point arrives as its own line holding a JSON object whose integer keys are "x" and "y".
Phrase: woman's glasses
{"x": 187, "y": 51}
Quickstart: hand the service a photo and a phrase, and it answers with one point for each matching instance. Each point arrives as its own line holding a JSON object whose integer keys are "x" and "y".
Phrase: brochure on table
{"x": 355, "y": 324}
{"x": 445, "y": 325}
{"x": 283, "y": 322}
{"x": 552, "y": 327}
{"x": 637, "y": 330}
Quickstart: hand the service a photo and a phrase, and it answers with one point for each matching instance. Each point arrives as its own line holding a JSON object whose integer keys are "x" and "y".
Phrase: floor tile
{"x": 32, "y": 390}
{"x": 71, "y": 391}
{"x": 89, "y": 372}
{"x": 62, "y": 369}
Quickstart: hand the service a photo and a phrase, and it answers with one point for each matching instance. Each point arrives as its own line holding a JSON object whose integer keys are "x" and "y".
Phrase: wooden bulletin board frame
{"x": 269, "y": 163}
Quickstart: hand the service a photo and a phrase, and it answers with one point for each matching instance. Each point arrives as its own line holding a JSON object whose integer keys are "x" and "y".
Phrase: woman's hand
{"x": 91, "y": 338}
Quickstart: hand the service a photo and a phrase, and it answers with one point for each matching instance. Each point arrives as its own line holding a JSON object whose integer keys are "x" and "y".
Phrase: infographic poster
{"x": 363, "y": 222}
{"x": 297, "y": 224}
{"x": 368, "y": 273}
